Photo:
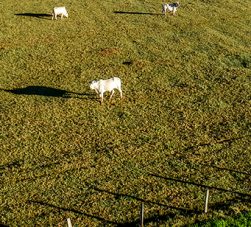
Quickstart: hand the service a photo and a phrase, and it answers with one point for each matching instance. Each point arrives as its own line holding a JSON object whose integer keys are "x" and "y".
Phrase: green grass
{"x": 241, "y": 220}
{"x": 184, "y": 123}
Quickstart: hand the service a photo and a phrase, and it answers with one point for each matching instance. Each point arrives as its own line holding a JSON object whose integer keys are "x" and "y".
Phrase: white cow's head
{"x": 93, "y": 85}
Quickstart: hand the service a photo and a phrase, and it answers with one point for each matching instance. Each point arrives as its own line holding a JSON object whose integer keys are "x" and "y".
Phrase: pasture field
{"x": 184, "y": 123}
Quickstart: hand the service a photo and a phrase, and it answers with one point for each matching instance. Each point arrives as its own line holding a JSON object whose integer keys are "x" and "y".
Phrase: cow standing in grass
{"x": 101, "y": 86}
{"x": 59, "y": 11}
{"x": 171, "y": 7}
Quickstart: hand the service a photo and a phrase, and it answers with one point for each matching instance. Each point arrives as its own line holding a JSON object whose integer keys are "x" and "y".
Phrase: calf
{"x": 102, "y": 86}
{"x": 171, "y": 7}
{"x": 59, "y": 11}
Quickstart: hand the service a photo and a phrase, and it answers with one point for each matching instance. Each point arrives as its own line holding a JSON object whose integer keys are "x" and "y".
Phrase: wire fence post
{"x": 206, "y": 201}
{"x": 69, "y": 222}
{"x": 142, "y": 215}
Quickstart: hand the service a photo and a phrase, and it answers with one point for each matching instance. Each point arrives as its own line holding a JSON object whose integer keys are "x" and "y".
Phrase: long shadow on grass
{"x": 225, "y": 205}
{"x": 63, "y": 209}
{"x": 138, "y": 13}
{"x": 119, "y": 195}
{"x": 11, "y": 165}
{"x": 48, "y": 91}
{"x": 37, "y": 15}
{"x": 162, "y": 219}
{"x": 227, "y": 169}
{"x": 154, "y": 218}
{"x": 231, "y": 140}
{"x": 228, "y": 142}
{"x": 201, "y": 185}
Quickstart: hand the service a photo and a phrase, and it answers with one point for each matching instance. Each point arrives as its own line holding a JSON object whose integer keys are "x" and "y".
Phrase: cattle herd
{"x": 102, "y": 86}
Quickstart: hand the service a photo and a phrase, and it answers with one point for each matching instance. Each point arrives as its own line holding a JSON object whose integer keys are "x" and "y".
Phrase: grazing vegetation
{"x": 184, "y": 124}
{"x": 240, "y": 220}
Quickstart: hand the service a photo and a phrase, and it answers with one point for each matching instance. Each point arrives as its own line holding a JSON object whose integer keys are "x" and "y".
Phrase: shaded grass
{"x": 183, "y": 125}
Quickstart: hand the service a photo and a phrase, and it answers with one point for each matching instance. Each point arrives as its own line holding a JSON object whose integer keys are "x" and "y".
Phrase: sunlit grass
{"x": 183, "y": 124}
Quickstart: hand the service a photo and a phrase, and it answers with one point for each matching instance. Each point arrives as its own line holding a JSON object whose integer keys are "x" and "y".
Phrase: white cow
{"x": 59, "y": 11}
{"x": 102, "y": 86}
{"x": 171, "y": 7}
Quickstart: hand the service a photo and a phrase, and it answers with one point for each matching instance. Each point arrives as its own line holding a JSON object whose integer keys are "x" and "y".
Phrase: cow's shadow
{"x": 36, "y": 15}
{"x": 138, "y": 13}
{"x": 49, "y": 92}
